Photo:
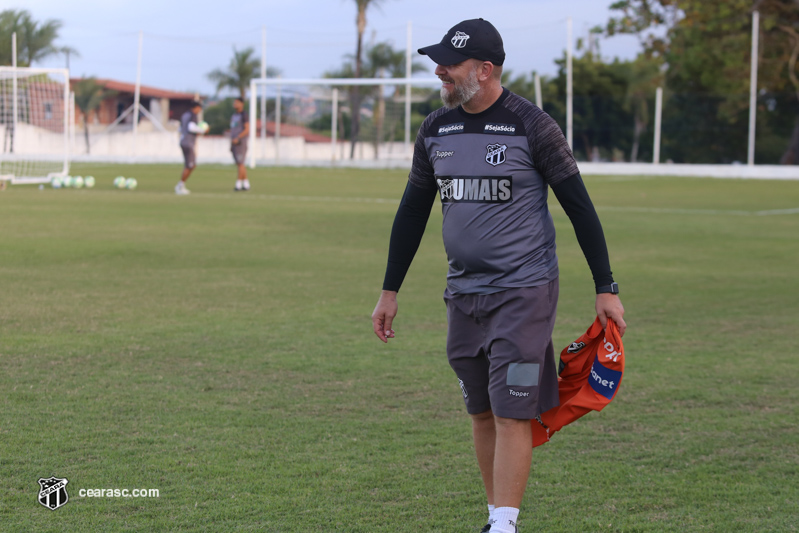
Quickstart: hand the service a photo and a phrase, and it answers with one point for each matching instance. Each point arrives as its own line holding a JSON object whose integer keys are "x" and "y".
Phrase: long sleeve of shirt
{"x": 574, "y": 199}
{"x": 407, "y": 232}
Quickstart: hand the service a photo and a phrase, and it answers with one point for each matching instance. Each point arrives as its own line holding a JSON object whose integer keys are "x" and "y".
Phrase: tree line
{"x": 697, "y": 50}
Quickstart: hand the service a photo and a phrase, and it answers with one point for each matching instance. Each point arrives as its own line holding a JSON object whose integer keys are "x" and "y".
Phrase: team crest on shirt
{"x": 459, "y": 39}
{"x": 496, "y": 154}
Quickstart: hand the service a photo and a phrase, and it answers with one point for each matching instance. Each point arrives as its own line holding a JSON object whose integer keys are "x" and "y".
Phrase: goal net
{"x": 34, "y": 124}
{"x": 311, "y": 121}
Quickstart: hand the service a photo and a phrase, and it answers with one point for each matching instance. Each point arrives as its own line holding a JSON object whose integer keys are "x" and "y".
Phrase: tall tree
{"x": 643, "y": 80}
{"x": 381, "y": 60}
{"x": 242, "y": 69}
{"x": 601, "y": 118}
{"x": 68, "y": 51}
{"x": 88, "y": 96}
{"x": 35, "y": 40}
{"x": 355, "y": 93}
{"x": 706, "y": 45}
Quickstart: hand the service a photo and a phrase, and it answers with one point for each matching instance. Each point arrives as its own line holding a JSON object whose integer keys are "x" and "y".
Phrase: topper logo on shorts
{"x": 476, "y": 189}
{"x": 603, "y": 380}
{"x": 518, "y": 393}
{"x": 496, "y": 154}
{"x": 502, "y": 129}
{"x": 449, "y": 129}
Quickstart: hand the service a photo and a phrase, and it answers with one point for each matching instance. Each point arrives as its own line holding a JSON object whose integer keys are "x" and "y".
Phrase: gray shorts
{"x": 500, "y": 347}
{"x": 239, "y": 151}
{"x": 189, "y": 158}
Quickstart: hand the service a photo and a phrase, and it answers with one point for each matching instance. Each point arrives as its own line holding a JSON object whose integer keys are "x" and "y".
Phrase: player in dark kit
{"x": 491, "y": 157}
{"x": 239, "y": 133}
{"x": 189, "y": 129}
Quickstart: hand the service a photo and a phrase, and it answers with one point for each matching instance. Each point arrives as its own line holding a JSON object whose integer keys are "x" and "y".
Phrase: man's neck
{"x": 484, "y": 99}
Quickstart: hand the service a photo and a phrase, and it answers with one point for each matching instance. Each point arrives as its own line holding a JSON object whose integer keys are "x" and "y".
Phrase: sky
{"x": 184, "y": 41}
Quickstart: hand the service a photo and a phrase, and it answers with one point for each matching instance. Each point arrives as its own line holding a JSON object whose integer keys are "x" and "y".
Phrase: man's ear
{"x": 486, "y": 71}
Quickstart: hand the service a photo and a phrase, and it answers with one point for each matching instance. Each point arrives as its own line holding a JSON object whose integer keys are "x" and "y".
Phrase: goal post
{"x": 34, "y": 124}
{"x": 310, "y": 121}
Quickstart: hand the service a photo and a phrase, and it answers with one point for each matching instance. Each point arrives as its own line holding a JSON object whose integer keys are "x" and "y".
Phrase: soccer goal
{"x": 311, "y": 121}
{"x": 34, "y": 124}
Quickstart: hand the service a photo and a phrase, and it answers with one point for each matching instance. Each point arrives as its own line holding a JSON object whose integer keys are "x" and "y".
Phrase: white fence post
{"x": 658, "y": 115}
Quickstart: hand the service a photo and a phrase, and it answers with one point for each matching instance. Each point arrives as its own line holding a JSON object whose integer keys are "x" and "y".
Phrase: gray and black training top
{"x": 492, "y": 171}
{"x": 187, "y": 138}
{"x": 238, "y": 121}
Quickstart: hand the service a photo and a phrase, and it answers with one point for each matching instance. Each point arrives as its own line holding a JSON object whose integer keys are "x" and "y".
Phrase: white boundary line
{"x": 713, "y": 212}
{"x": 395, "y": 201}
{"x": 774, "y": 172}
{"x": 655, "y": 210}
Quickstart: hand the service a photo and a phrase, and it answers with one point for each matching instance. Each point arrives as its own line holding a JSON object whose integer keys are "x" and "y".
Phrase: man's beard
{"x": 460, "y": 94}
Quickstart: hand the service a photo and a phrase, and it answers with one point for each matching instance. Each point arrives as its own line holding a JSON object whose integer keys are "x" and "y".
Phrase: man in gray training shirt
{"x": 491, "y": 156}
{"x": 239, "y": 133}
{"x": 189, "y": 129}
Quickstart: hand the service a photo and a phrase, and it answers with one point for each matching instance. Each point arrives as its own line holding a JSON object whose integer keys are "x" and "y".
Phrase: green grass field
{"x": 218, "y": 348}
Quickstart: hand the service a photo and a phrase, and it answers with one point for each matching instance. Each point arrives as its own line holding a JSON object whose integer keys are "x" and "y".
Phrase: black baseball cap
{"x": 470, "y": 39}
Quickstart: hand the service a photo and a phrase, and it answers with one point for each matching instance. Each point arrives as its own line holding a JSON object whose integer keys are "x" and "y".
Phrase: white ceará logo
{"x": 496, "y": 154}
{"x": 459, "y": 40}
{"x": 53, "y": 492}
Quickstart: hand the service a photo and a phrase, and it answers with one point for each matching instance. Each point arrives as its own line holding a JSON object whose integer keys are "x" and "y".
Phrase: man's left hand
{"x": 608, "y": 306}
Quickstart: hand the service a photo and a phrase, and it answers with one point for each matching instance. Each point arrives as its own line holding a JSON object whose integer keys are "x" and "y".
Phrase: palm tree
{"x": 242, "y": 69}
{"x": 38, "y": 39}
{"x": 67, "y": 51}
{"x": 34, "y": 39}
{"x": 381, "y": 60}
{"x": 355, "y": 94}
{"x": 88, "y": 95}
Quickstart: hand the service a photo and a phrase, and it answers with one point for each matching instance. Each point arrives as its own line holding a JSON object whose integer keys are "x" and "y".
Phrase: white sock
{"x": 491, "y": 514}
{"x": 505, "y": 520}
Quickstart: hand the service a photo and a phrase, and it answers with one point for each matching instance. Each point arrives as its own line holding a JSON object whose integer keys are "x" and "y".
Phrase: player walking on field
{"x": 239, "y": 133}
{"x": 491, "y": 156}
{"x": 189, "y": 129}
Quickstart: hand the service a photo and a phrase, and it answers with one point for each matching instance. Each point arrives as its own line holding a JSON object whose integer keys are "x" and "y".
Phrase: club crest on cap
{"x": 459, "y": 39}
{"x": 469, "y": 39}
